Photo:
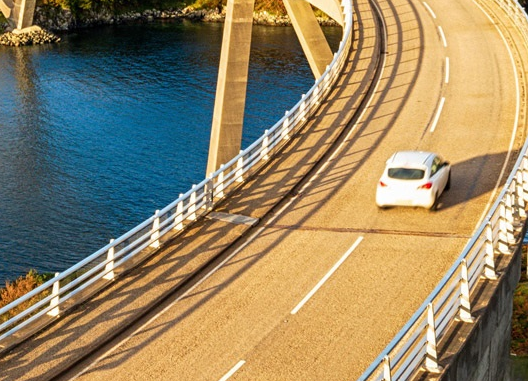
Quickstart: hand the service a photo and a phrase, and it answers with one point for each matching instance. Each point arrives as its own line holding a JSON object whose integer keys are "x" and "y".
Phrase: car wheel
{"x": 435, "y": 204}
{"x": 448, "y": 184}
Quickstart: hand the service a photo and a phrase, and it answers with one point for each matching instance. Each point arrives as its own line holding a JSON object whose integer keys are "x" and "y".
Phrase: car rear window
{"x": 406, "y": 173}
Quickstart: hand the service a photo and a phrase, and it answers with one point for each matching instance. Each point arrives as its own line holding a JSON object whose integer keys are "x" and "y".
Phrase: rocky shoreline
{"x": 56, "y": 19}
{"x": 29, "y": 36}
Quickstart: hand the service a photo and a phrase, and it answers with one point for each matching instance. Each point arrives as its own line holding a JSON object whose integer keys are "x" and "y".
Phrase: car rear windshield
{"x": 406, "y": 173}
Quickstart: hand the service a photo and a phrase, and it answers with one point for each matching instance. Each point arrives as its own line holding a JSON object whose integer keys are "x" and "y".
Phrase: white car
{"x": 413, "y": 178}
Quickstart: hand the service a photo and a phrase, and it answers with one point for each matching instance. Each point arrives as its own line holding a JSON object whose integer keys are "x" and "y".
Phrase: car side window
{"x": 435, "y": 166}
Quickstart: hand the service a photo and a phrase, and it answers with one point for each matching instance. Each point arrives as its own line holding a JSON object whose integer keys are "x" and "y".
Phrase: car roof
{"x": 410, "y": 158}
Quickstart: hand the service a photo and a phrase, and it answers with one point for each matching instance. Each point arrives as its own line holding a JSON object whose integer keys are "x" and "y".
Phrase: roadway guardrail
{"x": 415, "y": 345}
{"x": 49, "y": 300}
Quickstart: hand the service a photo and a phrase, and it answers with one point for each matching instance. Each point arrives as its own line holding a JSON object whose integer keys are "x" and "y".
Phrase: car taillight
{"x": 426, "y": 186}
{"x": 382, "y": 184}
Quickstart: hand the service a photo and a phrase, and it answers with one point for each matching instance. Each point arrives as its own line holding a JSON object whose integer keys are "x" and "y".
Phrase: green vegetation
{"x": 77, "y": 7}
{"x": 20, "y": 287}
{"x": 520, "y": 314}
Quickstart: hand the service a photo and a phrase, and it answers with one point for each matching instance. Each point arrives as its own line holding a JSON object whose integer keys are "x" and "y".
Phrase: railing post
{"x": 510, "y": 212}
{"x": 220, "y": 183}
{"x": 316, "y": 95}
{"x": 303, "y": 108}
{"x": 465, "y": 305}
{"x": 521, "y": 195}
{"x": 239, "y": 175}
{"x": 109, "y": 268}
{"x": 208, "y": 190}
{"x": 286, "y": 127}
{"x": 489, "y": 265}
{"x": 265, "y": 145}
{"x": 525, "y": 176}
{"x": 192, "y": 204}
{"x": 387, "y": 373}
{"x": 179, "y": 215}
{"x": 431, "y": 356}
{"x": 54, "y": 302}
{"x": 505, "y": 229}
{"x": 154, "y": 237}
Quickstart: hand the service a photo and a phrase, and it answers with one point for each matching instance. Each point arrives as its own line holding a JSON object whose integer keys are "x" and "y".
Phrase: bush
{"x": 520, "y": 313}
{"x": 77, "y": 7}
{"x": 20, "y": 287}
{"x": 520, "y": 321}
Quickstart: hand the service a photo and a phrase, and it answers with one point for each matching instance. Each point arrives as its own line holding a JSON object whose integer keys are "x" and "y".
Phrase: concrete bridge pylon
{"x": 19, "y": 13}
{"x": 230, "y": 99}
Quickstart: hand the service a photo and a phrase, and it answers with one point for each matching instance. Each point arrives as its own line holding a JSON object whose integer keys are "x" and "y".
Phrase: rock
{"x": 58, "y": 19}
{"x": 28, "y": 36}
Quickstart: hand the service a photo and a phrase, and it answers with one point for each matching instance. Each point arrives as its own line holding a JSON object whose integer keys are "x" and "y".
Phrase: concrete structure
{"x": 228, "y": 115}
{"x": 18, "y": 13}
{"x": 475, "y": 349}
{"x": 479, "y": 350}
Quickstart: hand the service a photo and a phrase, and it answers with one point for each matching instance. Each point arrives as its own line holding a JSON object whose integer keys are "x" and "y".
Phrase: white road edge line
{"x": 442, "y": 36}
{"x": 327, "y": 276}
{"x": 515, "y": 122}
{"x": 233, "y": 370}
{"x": 447, "y": 70}
{"x": 438, "y": 112}
{"x": 429, "y": 9}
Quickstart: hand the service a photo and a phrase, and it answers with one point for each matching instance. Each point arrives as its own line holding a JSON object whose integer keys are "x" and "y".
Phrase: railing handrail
{"x": 190, "y": 206}
{"x": 500, "y": 219}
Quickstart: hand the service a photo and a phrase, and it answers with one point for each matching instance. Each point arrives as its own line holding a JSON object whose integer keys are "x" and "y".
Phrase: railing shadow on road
{"x": 127, "y": 299}
{"x": 263, "y": 185}
{"x": 125, "y": 294}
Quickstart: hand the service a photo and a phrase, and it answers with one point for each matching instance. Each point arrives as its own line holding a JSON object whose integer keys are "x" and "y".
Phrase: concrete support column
{"x": 332, "y": 8}
{"x": 6, "y": 7}
{"x": 19, "y": 13}
{"x": 230, "y": 101}
{"x": 310, "y": 34}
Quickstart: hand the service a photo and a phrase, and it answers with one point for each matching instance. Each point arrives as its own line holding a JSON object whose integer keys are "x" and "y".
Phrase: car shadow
{"x": 475, "y": 177}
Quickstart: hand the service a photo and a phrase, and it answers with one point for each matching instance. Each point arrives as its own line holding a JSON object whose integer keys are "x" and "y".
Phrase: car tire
{"x": 434, "y": 207}
{"x": 448, "y": 184}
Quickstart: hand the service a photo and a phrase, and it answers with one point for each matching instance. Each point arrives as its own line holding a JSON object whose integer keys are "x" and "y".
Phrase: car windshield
{"x": 406, "y": 173}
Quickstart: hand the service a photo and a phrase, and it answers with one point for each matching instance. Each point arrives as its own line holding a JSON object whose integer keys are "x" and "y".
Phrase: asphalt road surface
{"x": 325, "y": 280}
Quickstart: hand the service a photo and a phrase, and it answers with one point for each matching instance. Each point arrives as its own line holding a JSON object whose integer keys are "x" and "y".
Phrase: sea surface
{"x": 99, "y": 131}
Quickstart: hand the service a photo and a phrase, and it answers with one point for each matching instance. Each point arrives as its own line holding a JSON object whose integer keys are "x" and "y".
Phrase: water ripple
{"x": 98, "y": 132}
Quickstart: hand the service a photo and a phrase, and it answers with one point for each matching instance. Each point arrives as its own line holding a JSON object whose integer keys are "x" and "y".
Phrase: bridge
{"x": 19, "y": 13}
{"x": 279, "y": 266}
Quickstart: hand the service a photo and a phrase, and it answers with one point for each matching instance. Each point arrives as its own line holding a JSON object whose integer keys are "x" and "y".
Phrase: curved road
{"x": 325, "y": 280}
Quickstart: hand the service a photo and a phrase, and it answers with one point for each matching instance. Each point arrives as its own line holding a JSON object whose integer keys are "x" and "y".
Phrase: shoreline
{"x": 51, "y": 20}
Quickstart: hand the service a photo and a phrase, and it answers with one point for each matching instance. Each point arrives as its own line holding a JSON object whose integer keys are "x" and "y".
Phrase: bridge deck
{"x": 244, "y": 310}
{"x": 129, "y": 297}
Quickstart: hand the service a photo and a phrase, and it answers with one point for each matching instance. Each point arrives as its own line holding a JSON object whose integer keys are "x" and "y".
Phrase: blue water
{"x": 99, "y": 131}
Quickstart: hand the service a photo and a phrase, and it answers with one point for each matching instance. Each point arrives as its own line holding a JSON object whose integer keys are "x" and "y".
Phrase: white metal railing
{"x": 415, "y": 345}
{"x": 172, "y": 219}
